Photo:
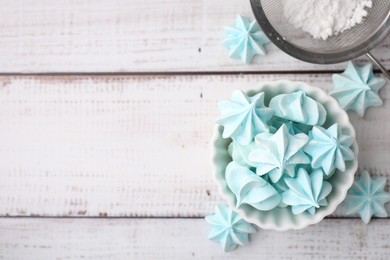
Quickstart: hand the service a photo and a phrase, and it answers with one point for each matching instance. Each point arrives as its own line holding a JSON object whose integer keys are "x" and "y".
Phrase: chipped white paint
{"x": 132, "y": 36}
{"x": 184, "y": 239}
{"x": 129, "y": 146}
{"x": 139, "y": 146}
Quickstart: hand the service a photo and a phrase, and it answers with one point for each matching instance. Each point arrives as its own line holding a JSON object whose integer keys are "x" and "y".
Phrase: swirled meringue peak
{"x": 243, "y": 116}
{"x": 298, "y": 107}
{"x": 329, "y": 149}
{"x": 293, "y": 127}
{"x": 367, "y": 197}
{"x": 279, "y": 153}
{"x": 245, "y": 40}
{"x": 239, "y": 153}
{"x": 357, "y": 88}
{"x": 228, "y": 228}
{"x": 306, "y": 192}
{"x": 250, "y": 188}
{"x": 280, "y": 187}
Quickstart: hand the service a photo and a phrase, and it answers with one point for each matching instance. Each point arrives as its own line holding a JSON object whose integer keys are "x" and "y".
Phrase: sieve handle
{"x": 377, "y": 63}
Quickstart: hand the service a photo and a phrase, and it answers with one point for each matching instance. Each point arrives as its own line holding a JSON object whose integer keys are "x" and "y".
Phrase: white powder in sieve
{"x": 324, "y": 18}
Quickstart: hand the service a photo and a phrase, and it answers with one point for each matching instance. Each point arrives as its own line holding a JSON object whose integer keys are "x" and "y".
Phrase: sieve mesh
{"x": 341, "y": 47}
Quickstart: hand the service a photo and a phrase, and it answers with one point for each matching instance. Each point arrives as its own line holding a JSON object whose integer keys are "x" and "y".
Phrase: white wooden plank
{"x": 130, "y": 36}
{"x": 130, "y": 146}
{"x": 185, "y": 239}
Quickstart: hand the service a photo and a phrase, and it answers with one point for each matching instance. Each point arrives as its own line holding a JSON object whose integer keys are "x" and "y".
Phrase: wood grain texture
{"x": 184, "y": 239}
{"x": 131, "y": 36}
{"x": 130, "y": 146}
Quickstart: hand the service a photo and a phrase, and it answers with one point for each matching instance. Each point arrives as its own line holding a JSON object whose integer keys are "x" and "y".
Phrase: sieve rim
{"x": 315, "y": 57}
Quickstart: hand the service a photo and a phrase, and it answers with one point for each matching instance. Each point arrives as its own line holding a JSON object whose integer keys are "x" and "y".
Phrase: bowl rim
{"x": 332, "y": 205}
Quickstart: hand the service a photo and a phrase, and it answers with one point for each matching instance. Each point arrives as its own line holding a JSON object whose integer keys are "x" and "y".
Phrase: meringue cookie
{"x": 240, "y": 153}
{"x": 357, "y": 88}
{"x": 329, "y": 149}
{"x": 280, "y": 187}
{"x": 367, "y": 197}
{"x": 306, "y": 192}
{"x": 245, "y": 41}
{"x": 250, "y": 188}
{"x": 279, "y": 153}
{"x": 298, "y": 107}
{"x": 293, "y": 127}
{"x": 228, "y": 228}
{"x": 244, "y": 116}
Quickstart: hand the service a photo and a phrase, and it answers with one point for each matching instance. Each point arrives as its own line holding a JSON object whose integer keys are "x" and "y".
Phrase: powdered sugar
{"x": 324, "y": 18}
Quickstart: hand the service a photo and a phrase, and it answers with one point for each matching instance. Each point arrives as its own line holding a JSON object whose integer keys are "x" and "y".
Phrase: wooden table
{"x": 107, "y": 110}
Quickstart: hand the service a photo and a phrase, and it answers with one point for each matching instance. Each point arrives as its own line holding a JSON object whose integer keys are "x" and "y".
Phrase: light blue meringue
{"x": 239, "y": 153}
{"x": 357, "y": 88}
{"x": 228, "y": 228}
{"x": 367, "y": 197}
{"x": 293, "y": 127}
{"x": 280, "y": 187}
{"x": 250, "y": 188}
{"x": 244, "y": 116}
{"x": 329, "y": 149}
{"x": 299, "y": 108}
{"x": 279, "y": 153}
{"x": 306, "y": 192}
{"x": 245, "y": 40}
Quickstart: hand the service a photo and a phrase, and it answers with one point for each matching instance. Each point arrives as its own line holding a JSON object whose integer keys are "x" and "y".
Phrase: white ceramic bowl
{"x": 282, "y": 218}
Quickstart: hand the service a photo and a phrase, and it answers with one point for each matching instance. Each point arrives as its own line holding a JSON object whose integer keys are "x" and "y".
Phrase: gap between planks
{"x": 170, "y": 73}
{"x": 155, "y": 217}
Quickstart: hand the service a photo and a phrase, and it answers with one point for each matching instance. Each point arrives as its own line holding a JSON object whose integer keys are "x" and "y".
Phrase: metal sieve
{"x": 345, "y": 46}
